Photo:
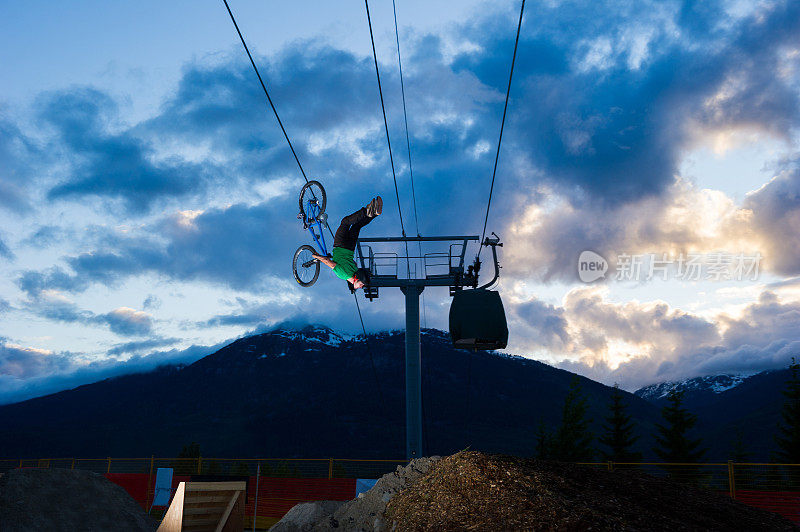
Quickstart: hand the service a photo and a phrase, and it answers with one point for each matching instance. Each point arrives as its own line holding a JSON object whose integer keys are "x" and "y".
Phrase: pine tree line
{"x": 572, "y": 440}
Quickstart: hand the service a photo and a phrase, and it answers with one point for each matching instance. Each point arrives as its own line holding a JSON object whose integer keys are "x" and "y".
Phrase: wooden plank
{"x": 206, "y": 506}
{"x": 227, "y": 512}
{"x": 215, "y": 486}
{"x": 203, "y": 510}
{"x": 173, "y": 518}
{"x": 201, "y": 519}
{"x": 189, "y": 501}
{"x": 235, "y": 521}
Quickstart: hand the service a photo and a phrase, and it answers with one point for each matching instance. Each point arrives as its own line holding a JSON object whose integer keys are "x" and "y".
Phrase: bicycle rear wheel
{"x": 312, "y": 201}
{"x": 305, "y": 266}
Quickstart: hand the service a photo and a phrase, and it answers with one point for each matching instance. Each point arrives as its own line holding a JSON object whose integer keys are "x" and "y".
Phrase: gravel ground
{"x": 67, "y": 500}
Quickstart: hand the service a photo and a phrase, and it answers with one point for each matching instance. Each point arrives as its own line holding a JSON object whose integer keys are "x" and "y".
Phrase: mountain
{"x": 312, "y": 393}
{"x": 698, "y": 386}
{"x": 730, "y": 408}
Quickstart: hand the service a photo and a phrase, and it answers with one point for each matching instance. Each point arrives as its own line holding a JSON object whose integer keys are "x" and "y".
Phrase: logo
{"x": 591, "y": 266}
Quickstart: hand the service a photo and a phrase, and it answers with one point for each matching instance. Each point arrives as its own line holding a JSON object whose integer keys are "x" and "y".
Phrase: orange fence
{"x": 284, "y": 483}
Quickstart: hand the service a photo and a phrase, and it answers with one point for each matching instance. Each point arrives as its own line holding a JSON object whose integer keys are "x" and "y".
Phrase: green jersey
{"x": 345, "y": 265}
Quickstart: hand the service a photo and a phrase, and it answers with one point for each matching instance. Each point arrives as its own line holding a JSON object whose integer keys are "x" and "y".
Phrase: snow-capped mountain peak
{"x": 706, "y": 383}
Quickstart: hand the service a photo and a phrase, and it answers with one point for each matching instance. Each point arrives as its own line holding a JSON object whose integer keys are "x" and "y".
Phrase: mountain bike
{"x": 312, "y": 212}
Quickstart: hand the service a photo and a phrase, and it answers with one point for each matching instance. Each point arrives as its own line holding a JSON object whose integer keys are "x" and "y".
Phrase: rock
{"x": 301, "y": 517}
{"x": 366, "y": 513}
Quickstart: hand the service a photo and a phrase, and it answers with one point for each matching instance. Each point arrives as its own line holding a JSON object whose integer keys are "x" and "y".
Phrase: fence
{"x": 282, "y": 483}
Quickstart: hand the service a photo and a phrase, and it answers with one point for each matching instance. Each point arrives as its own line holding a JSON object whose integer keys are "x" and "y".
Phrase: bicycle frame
{"x": 316, "y": 226}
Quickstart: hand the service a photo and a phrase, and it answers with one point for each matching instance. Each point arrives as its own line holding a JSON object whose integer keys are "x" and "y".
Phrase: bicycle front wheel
{"x": 312, "y": 201}
{"x": 305, "y": 266}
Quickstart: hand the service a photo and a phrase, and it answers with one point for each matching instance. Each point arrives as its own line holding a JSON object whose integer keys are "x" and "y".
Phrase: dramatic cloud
{"x": 775, "y": 210}
{"x": 27, "y": 372}
{"x": 606, "y": 101}
{"x": 55, "y": 306}
{"x": 635, "y": 343}
{"x": 24, "y": 362}
{"x": 107, "y": 164}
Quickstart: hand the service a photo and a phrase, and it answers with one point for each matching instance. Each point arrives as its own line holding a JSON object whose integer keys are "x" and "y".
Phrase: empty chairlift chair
{"x": 478, "y": 320}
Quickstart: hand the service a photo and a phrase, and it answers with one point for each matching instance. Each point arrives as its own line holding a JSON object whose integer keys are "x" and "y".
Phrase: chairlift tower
{"x": 378, "y": 267}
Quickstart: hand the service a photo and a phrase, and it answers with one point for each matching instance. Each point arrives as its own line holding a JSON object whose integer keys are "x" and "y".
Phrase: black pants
{"x": 347, "y": 234}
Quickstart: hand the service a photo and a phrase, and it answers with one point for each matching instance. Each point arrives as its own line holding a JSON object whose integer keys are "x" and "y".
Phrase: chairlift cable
{"x": 408, "y": 146}
{"x": 405, "y": 119}
{"x": 416, "y": 218}
{"x": 263, "y": 86}
{"x": 502, "y": 125}
{"x": 286, "y": 136}
{"x": 386, "y": 128}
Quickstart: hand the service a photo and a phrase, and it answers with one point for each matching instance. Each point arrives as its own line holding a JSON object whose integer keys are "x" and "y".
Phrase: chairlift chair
{"x": 478, "y": 320}
{"x": 477, "y": 317}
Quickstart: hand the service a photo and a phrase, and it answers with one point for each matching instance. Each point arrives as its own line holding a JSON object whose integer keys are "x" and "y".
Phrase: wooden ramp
{"x": 206, "y": 506}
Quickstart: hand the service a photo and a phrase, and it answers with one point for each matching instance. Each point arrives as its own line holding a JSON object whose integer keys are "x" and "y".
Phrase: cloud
{"x": 151, "y": 302}
{"x": 639, "y": 343}
{"x": 33, "y": 283}
{"x": 606, "y": 100}
{"x": 141, "y": 345}
{"x": 126, "y": 321}
{"x": 20, "y": 160}
{"x": 24, "y": 362}
{"x": 27, "y": 372}
{"x": 47, "y": 235}
{"x": 53, "y": 305}
{"x": 5, "y": 251}
{"x": 775, "y": 211}
{"x": 111, "y": 165}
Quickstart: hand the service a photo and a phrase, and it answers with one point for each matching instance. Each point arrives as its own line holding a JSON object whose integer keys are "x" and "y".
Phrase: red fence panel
{"x": 786, "y": 503}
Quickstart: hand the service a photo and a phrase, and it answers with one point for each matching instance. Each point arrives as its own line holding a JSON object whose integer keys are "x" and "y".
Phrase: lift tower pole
{"x": 413, "y": 372}
{"x": 455, "y": 278}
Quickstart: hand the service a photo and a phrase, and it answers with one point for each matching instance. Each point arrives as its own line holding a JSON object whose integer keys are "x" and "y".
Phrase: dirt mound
{"x": 473, "y": 491}
{"x": 362, "y": 513}
{"x": 301, "y": 517}
{"x": 366, "y": 511}
{"x": 68, "y": 500}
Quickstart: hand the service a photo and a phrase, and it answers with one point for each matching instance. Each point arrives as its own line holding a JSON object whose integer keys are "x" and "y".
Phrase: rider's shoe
{"x": 375, "y": 207}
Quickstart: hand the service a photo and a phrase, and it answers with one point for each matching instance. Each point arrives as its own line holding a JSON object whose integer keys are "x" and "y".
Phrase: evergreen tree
{"x": 240, "y": 469}
{"x": 618, "y": 428}
{"x": 572, "y": 441}
{"x": 673, "y": 442}
{"x": 186, "y": 464}
{"x": 738, "y": 451}
{"x": 544, "y": 442}
{"x": 788, "y": 438}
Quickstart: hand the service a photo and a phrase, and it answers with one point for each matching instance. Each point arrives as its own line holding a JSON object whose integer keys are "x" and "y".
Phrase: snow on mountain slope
{"x": 707, "y": 383}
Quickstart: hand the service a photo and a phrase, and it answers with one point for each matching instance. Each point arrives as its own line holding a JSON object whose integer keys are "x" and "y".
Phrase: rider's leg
{"x": 347, "y": 233}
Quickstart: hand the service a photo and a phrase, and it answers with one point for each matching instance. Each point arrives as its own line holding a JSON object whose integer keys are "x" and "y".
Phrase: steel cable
{"x": 502, "y": 125}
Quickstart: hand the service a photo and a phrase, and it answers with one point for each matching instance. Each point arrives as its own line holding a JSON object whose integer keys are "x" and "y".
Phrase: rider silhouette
{"x": 344, "y": 242}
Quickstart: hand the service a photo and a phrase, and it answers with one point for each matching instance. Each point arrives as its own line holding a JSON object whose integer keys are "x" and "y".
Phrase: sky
{"x": 148, "y": 199}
